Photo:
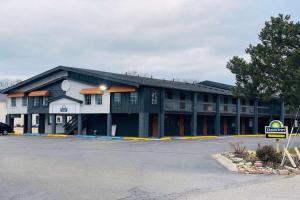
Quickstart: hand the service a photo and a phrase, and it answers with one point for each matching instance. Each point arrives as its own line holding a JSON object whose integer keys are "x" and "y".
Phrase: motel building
{"x": 80, "y": 101}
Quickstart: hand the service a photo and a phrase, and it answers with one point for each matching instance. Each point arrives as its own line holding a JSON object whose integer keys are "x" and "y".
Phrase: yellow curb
{"x": 57, "y": 135}
{"x": 256, "y": 135}
{"x": 199, "y": 137}
{"x": 295, "y": 134}
{"x": 137, "y": 138}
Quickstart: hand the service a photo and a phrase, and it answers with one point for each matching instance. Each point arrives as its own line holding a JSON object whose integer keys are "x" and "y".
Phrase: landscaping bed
{"x": 265, "y": 160}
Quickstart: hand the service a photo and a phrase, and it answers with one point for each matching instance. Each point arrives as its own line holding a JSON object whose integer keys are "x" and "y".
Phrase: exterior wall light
{"x": 103, "y": 87}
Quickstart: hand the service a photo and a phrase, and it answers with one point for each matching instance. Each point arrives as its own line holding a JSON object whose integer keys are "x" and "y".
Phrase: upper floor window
{"x": 87, "y": 99}
{"x": 205, "y": 98}
{"x": 98, "y": 99}
{"x": 182, "y": 96}
{"x": 36, "y": 101}
{"x": 133, "y": 98}
{"x": 45, "y": 101}
{"x": 13, "y": 102}
{"x": 225, "y": 100}
{"x": 24, "y": 101}
{"x": 117, "y": 99}
{"x": 154, "y": 97}
{"x": 169, "y": 95}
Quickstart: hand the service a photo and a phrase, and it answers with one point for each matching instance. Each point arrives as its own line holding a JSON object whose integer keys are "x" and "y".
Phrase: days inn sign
{"x": 276, "y": 129}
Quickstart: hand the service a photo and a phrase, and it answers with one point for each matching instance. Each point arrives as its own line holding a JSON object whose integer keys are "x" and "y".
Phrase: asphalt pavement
{"x": 40, "y": 168}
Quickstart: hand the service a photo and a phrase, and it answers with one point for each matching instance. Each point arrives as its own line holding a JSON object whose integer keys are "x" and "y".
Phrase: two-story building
{"x": 83, "y": 101}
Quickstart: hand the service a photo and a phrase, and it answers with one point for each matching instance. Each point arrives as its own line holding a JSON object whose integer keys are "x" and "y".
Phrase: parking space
{"x": 71, "y": 168}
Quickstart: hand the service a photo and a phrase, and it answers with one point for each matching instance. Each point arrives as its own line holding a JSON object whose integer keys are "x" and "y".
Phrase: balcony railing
{"x": 228, "y": 108}
{"x": 177, "y": 105}
{"x": 263, "y": 110}
{"x": 206, "y": 107}
{"x": 187, "y": 106}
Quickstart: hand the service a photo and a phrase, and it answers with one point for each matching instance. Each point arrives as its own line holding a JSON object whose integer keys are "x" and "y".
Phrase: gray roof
{"x": 217, "y": 85}
{"x": 131, "y": 80}
{"x": 146, "y": 81}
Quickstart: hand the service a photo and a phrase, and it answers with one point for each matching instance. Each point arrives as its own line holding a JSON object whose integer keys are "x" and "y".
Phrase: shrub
{"x": 251, "y": 157}
{"x": 239, "y": 149}
{"x": 268, "y": 154}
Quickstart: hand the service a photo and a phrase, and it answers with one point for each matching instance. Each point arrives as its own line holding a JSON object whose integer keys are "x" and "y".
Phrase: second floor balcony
{"x": 207, "y": 107}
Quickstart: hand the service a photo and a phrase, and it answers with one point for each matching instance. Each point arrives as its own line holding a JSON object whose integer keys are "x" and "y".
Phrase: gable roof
{"x": 65, "y": 97}
{"x": 129, "y": 80}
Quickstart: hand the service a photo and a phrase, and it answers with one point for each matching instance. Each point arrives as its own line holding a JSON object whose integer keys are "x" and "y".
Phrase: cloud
{"x": 187, "y": 39}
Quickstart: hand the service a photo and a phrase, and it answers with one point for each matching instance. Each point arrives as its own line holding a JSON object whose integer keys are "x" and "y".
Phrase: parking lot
{"x": 70, "y": 168}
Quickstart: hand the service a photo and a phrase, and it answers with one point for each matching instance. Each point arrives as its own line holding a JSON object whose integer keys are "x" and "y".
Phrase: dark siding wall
{"x": 125, "y": 106}
{"x": 96, "y": 122}
{"x": 127, "y": 124}
{"x": 54, "y": 89}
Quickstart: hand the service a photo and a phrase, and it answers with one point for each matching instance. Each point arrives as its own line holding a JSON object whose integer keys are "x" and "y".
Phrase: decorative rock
{"x": 258, "y": 164}
{"x": 237, "y": 160}
{"x": 284, "y": 172}
{"x": 248, "y": 164}
{"x": 293, "y": 170}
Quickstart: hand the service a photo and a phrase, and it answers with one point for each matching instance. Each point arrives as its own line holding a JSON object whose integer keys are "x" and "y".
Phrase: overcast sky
{"x": 186, "y": 39}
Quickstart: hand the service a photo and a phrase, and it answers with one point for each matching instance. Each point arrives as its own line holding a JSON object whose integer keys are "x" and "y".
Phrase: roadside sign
{"x": 276, "y": 129}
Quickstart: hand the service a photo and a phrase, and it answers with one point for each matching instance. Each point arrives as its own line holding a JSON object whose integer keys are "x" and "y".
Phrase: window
{"x": 133, "y": 98}
{"x": 59, "y": 119}
{"x": 88, "y": 99}
{"x": 117, "y": 99}
{"x": 37, "y": 119}
{"x": 169, "y": 95}
{"x": 154, "y": 97}
{"x": 243, "y": 102}
{"x": 182, "y": 96}
{"x": 24, "y": 101}
{"x": 13, "y": 102}
{"x": 225, "y": 100}
{"x": 45, "y": 101}
{"x": 205, "y": 98}
{"x": 234, "y": 101}
{"x": 215, "y": 99}
{"x": 98, "y": 99}
{"x": 36, "y": 101}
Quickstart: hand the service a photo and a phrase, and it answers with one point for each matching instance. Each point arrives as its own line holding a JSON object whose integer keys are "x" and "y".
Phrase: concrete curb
{"x": 248, "y": 135}
{"x": 225, "y": 162}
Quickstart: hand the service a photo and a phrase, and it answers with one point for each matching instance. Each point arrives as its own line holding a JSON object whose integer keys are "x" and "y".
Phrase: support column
{"x": 9, "y": 121}
{"x": 255, "y": 124}
{"x": 53, "y": 124}
{"x": 282, "y": 112}
{"x": 79, "y": 124}
{"x": 42, "y": 121}
{"x": 194, "y": 115}
{"x": 25, "y": 124}
{"x": 205, "y": 126}
{"x": 143, "y": 124}
{"x": 218, "y": 117}
{"x": 238, "y": 117}
{"x": 181, "y": 126}
{"x": 225, "y": 125}
{"x": 29, "y": 126}
{"x": 109, "y": 124}
{"x": 161, "y": 116}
